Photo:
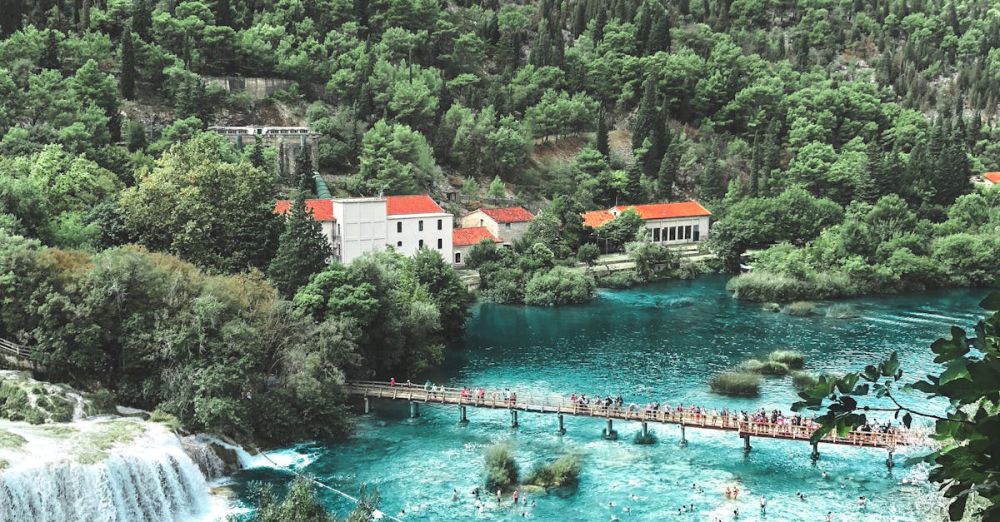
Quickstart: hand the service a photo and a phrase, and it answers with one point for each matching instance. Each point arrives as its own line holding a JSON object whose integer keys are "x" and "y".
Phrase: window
{"x": 480, "y": 222}
{"x": 440, "y": 224}
{"x": 458, "y": 258}
{"x": 697, "y": 234}
{"x": 420, "y": 226}
{"x": 673, "y": 233}
{"x": 399, "y": 244}
{"x": 656, "y": 235}
{"x": 507, "y": 226}
{"x": 687, "y": 232}
{"x": 399, "y": 227}
{"x": 440, "y": 243}
{"x": 420, "y": 244}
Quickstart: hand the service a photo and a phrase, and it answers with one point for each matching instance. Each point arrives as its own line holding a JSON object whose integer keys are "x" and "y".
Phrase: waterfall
{"x": 152, "y": 479}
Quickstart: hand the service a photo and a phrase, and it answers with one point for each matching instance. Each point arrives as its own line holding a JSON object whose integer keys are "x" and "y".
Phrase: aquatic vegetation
{"x": 25, "y": 399}
{"x": 502, "y": 471}
{"x": 168, "y": 420}
{"x": 791, "y": 358}
{"x": 560, "y": 473}
{"x": 768, "y": 367}
{"x": 771, "y": 307}
{"x": 739, "y": 383}
{"x": 842, "y": 311}
{"x": 95, "y": 445}
{"x": 803, "y": 379}
{"x": 9, "y": 440}
{"x": 800, "y": 309}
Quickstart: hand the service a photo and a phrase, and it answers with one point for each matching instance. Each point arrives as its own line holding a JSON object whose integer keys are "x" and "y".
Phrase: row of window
{"x": 420, "y": 226}
{"x": 681, "y": 233}
{"x": 420, "y": 244}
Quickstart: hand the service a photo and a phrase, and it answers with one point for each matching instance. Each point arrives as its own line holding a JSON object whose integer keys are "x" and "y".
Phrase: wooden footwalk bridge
{"x": 561, "y": 406}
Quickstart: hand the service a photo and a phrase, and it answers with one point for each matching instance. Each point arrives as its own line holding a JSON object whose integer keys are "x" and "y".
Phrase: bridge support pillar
{"x": 889, "y": 462}
{"x": 684, "y": 440}
{"x": 368, "y": 405}
{"x": 609, "y": 430}
{"x": 645, "y": 430}
{"x": 815, "y": 451}
{"x": 513, "y": 419}
{"x": 462, "y": 418}
{"x": 746, "y": 443}
{"x": 562, "y": 428}
{"x": 414, "y": 409}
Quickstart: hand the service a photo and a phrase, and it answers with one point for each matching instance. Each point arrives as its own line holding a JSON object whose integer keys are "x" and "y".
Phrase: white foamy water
{"x": 72, "y": 472}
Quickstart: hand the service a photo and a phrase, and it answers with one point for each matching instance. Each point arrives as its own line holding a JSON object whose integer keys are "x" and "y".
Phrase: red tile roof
{"x": 994, "y": 177}
{"x": 419, "y": 204}
{"x": 508, "y": 215}
{"x": 322, "y": 209}
{"x": 596, "y": 218}
{"x": 668, "y": 210}
{"x": 471, "y": 236}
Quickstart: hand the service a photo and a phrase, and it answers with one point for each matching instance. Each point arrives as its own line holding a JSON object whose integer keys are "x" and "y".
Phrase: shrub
{"x": 767, "y": 367}
{"x": 803, "y": 380}
{"x": 744, "y": 384}
{"x": 800, "y": 308}
{"x": 501, "y": 469}
{"x": 559, "y": 286}
{"x": 618, "y": 280}
{"x": 560, "y": 473}
{"x": 789, "y": 358}
{"x": 166, "y": 419}
{"x": 99, "y": 402}
{"x": 587, "y": 253}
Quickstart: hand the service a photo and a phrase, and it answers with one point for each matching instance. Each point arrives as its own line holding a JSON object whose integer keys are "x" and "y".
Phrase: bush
{"x": 618, "y": 280}
{"x": 560, "y": 473}
{"x": 803, "y": 380}
{"x": 501, "y": 470}
{"x": 765, "y": 367}
{"x": 166, "y": 419}
{"x": 800, "y": 308}
{"x": 559, "y": 286}
{"x": 743, "y": 384}
{"x": 790, "y": 358}
{"x": 587, "y": 253}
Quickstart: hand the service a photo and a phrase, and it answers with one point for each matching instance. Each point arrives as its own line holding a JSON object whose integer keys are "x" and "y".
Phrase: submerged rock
{"x": 213, "y": 459}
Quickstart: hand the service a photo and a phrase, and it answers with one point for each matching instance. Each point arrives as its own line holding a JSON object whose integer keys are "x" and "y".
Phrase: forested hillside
{"x": 844, "y": 133}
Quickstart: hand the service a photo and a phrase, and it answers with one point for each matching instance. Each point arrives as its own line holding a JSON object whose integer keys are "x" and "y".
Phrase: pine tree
{"x": 497, "y": 189}
{"x": 600, "y": 22}
{"x": 85, "y": 16}
{"x": 303, "y": 169}
{"x": 870, "y": 188}
{"x": 633, "y": 186}
{"x": 659, "y": 38}
{"x": 50, "y": 57}
{"x": 603, "y": 145}
{"x": 257, "y": 154}
{"x": 647, "y": 115}
{"x": 953, "y": 171}
{"x": 127, "y": 82}
{"x": 302, "y": 250}
{"x": 656, "y": 147}
{"x": 142, "y": 19}
{"x": 666, "y": 176}
{"x": 711, "y": 184}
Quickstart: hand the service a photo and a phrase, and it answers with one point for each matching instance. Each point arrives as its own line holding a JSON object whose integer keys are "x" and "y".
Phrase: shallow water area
{"x": 655, "y": 343}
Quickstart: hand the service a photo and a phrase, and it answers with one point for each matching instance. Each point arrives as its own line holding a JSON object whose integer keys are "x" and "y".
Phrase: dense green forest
{"x": 141, "y": 251}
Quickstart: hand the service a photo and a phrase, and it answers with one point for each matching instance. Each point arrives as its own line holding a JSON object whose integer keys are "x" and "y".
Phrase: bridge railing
{"x": 548, "y": 403}
{"x": 15, "y": 350}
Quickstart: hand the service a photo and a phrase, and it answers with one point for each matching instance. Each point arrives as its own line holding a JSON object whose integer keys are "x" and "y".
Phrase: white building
{"x": 356, "y": 226}
{"x": 509, "y": 224}
{"x": 669, "y": 223}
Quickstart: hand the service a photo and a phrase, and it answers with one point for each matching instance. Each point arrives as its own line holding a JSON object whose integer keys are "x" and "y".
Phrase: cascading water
{"x": 149, "y": 477}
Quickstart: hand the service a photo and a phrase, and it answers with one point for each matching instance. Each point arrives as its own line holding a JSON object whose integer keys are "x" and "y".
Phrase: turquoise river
{"x": 654, "y": 343}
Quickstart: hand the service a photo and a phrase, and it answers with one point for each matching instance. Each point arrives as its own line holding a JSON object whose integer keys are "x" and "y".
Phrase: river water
{"x": 662, "y": 343}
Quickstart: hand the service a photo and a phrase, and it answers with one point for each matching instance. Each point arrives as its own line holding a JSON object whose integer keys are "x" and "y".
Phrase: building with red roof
{"x": 509, "y": 223}
{"x": 356, "y": 226}
{"x": 463, "y": 239}
{"x": 670, "y": 223}
{"x": 992, "y": 178}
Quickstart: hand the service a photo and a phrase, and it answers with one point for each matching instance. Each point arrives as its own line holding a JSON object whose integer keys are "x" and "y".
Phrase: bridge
{"x": 562, "y": 406}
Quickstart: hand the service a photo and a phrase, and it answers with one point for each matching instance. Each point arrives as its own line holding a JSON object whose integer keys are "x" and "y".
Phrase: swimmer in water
{"x": 763, "y": 506}
{"x": 826, "y": 475}
{"x": 829, "y": 516}
{"x": 454, "y": 495}
{"x": 729, "y": 492}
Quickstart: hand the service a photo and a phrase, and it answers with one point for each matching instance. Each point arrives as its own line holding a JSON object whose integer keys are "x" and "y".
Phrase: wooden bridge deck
{"x": 549, "y": 404}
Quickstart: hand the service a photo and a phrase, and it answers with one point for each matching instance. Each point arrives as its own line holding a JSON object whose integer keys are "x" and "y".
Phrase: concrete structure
{"x": 668, "y": 223}
{"x": 509, "y": 224}
{"x": 463, "y": 239}
{"x": 356, "y": 226}
{"x": 288, "y": 141}
{"x": 255, "y": 88}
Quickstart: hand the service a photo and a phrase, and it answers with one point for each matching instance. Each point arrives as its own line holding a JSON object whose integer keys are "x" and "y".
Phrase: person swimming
{"x": 454, "y": 495}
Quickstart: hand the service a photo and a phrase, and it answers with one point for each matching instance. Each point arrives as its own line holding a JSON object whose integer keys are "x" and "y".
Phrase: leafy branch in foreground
{"x": 965, "y": 464}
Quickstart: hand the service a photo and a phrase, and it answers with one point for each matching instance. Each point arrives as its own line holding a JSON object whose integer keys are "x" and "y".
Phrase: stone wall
{"x": 256, "y": 88}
